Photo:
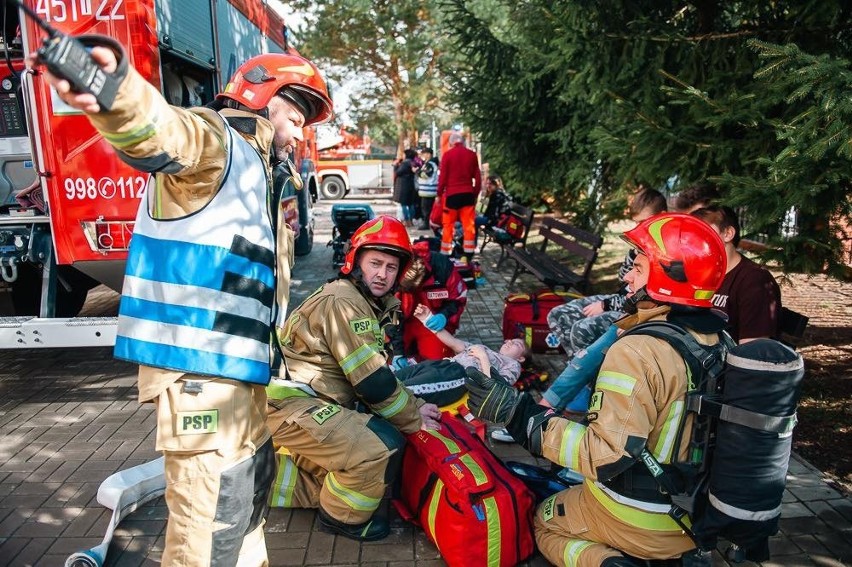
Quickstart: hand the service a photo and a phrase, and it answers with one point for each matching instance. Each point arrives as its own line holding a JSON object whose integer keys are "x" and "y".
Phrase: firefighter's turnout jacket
{"x": 339, "y": 458}
{"x": 211, "y": 423}
{"x": 639, "y": 401}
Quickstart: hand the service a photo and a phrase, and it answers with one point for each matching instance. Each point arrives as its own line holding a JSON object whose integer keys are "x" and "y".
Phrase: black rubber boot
{"x": 373, "y": 529}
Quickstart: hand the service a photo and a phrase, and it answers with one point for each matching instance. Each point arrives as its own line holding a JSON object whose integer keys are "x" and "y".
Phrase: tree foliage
{"x": 389, "y": 48}
{"x": 577, "y": 102}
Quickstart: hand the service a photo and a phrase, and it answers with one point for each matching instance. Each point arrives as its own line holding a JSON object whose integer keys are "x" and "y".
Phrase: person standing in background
{"x": 459, "y": 184}
{"x": 405, "y": 188}
{"x": 427, "y": 184}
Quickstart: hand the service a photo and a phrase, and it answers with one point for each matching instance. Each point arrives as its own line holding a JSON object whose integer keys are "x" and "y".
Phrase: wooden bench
{"x": 564, "y": 258}
{"x": 524, "y": 216}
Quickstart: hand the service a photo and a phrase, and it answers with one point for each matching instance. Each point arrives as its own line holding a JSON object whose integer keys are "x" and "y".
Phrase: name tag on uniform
{"x": 324, "y": 413}
{"x": 437, "y": 294}
{"x": 197, "y": 422}
{"x": 361, "y": 326}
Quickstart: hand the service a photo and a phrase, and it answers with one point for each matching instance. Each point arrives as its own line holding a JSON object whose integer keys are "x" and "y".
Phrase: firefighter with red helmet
{"x": 434, "y": 281}
{"x": 207, "y": 285}
{"x": 618, "y": 515}
{"x": 340, "y": 459}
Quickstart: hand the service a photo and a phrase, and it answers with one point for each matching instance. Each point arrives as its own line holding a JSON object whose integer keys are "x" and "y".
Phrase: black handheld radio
{"x": 68, "y": 57}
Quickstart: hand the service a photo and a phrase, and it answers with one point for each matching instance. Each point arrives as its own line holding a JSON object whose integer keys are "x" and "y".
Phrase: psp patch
{"x": 197, "y": 422}
{"x": 325, "y": 413}
{"x": 547, "y": 508}
{"x": 361, "y": 326}
{"x": 596, "y": 403}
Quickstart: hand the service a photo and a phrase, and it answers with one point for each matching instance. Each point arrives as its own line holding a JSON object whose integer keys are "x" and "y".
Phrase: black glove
{"x": 490, "y": 399}
{"x": 495, "y": 401}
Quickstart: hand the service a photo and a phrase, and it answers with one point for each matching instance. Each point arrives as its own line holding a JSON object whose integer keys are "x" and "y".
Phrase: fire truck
{"x": 346, "y": 164}
{"x": 67, "y": 203}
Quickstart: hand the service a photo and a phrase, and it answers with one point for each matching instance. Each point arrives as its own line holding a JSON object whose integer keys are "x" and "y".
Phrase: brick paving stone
{"x": 320, "y": 549}
{"x": 32, "y": 551}
{"x": 345, "y": 551}
{"x": 838, "y": 543}
{"x": 795, "y": 510}
{"x": 378, "y": 551}
{"x": 830, "y": 515}
{"x": 803, "y": 525}
{"x": 289, "y": 556}
{"x": 11, "y": 547}
{"x": 809, "y": 493}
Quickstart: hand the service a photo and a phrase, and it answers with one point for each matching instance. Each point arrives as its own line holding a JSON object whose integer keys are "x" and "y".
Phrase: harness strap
{"x": 703, "y": 405}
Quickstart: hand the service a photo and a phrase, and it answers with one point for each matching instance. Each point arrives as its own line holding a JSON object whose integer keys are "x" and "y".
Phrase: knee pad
{"x": 393, "y": 440}
{"x": 264, "y": 476}
{"x": 243, "y": 501}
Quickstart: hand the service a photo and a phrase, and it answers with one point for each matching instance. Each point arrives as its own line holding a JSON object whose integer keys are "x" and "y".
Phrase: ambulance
{"x": 67, "y": 203}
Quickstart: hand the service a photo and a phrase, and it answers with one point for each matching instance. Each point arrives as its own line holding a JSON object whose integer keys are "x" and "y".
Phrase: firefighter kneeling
{"x": 342, "y": 460}
{"x": 619, "y": 512}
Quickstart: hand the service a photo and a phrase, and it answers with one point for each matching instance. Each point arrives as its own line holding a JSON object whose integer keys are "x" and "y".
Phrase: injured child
{"x": 441, "y": 382}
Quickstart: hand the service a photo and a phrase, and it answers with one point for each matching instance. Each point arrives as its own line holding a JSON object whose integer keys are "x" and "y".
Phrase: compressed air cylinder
{"x": 749, "y": 467}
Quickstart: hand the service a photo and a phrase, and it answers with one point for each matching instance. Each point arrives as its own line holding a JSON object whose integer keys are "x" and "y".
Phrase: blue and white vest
{"x": 427, "y": 180}
{"x": 199, "y": 291}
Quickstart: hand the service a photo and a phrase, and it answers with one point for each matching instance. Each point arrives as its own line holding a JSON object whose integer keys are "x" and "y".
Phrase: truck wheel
{"x": 304, "y": 241}
{"x": 333, "y": 188}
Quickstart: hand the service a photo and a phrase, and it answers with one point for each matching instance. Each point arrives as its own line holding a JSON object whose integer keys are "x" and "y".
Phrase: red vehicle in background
{"x": 67, "y": 203}
{"x": 346, "y": 164}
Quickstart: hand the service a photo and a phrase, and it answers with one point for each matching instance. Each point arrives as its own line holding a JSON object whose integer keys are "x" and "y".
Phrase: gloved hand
{"x": 490, "y": 399}
{"x": 399, "y": 362}
{"x": 436, "y": 322}
{"x": 494, "y": 400}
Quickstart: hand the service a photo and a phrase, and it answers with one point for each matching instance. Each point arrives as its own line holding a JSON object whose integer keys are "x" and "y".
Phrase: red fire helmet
{"x": 383, "y": 233}
{"x": 686, "y": 255}
{"x": 292, "y": 77}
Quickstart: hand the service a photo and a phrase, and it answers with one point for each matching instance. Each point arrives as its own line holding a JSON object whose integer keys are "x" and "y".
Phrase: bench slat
{"x": 553, "y": 270}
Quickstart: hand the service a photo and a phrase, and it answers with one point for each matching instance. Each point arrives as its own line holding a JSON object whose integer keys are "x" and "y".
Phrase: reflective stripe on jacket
{"x": 199, "y": 290}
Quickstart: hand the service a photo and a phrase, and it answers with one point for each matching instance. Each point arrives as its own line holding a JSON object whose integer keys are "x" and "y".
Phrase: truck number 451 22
{"x": 75, "y": 10}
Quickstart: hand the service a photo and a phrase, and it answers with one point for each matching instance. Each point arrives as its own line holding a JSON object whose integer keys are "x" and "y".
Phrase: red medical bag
{"x": 525, "y": 317}
{"x": 476, "y": 512}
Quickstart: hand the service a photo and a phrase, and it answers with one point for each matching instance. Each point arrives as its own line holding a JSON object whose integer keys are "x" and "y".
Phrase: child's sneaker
{"x": 502, "y": 434}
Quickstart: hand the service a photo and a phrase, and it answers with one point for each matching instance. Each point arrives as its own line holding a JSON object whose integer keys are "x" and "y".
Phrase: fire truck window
{"x": 185, "y": 84}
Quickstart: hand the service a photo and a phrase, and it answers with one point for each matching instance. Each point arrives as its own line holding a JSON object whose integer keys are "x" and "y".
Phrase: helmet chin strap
{"x": 631, "y": 305}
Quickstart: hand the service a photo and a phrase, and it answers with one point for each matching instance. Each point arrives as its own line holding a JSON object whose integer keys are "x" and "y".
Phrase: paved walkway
{"x": 70, "y": 419}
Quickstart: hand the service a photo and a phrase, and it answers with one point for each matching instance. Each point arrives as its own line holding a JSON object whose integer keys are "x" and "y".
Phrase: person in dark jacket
{"x": 405, "y": 187}
{"x": 497, "y": 202}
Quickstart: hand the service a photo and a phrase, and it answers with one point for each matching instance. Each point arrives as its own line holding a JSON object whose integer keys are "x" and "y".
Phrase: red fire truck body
{"x": 68, "y": 206}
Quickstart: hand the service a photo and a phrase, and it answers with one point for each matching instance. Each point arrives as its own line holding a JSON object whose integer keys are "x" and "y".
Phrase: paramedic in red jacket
{"x": 433, "y": 281}
{"x": 459, "y": 183}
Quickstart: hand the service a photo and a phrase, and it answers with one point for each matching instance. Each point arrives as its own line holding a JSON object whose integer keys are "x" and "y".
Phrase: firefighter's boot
{"x": 497, "y": 402}
{"x": 373, "y": 529}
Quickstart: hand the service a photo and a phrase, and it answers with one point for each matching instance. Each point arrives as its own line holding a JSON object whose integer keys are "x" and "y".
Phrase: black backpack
{"x": 744, "y": 400}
